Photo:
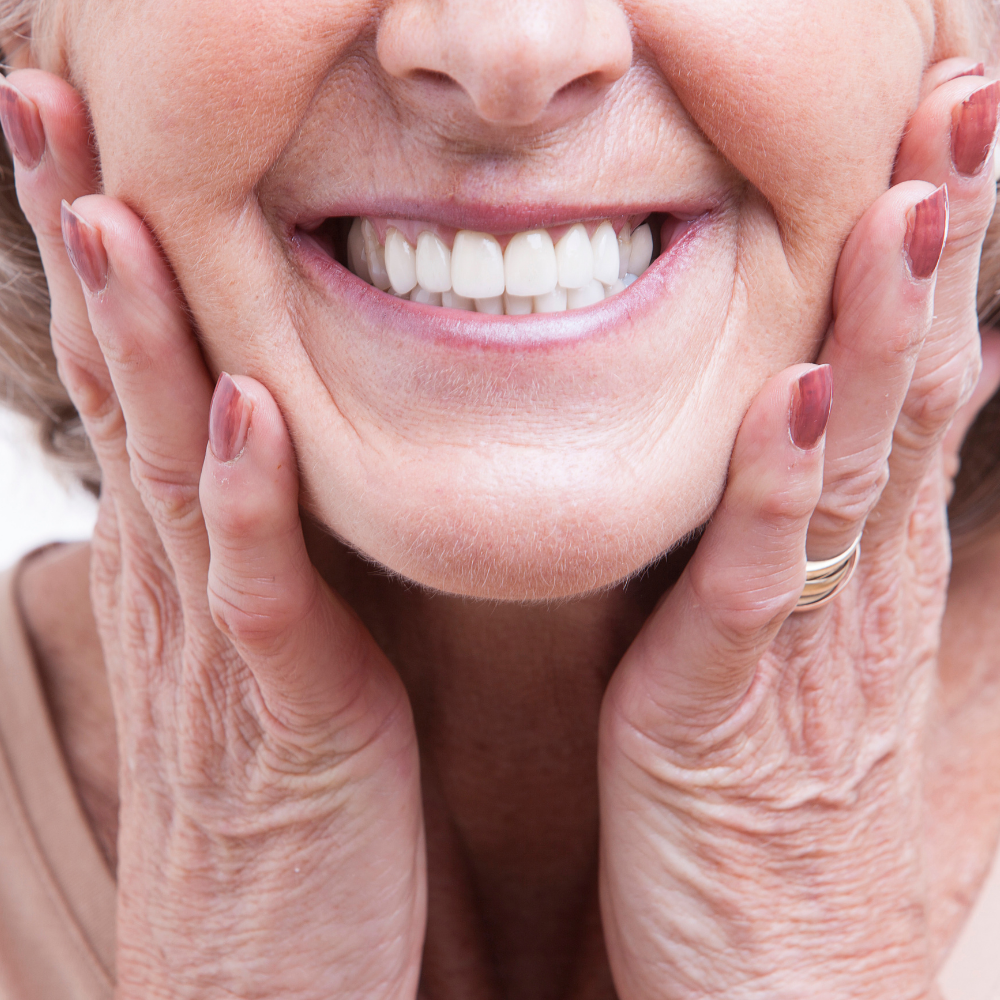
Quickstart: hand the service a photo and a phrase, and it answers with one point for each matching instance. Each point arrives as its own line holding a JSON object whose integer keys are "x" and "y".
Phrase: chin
{"x": 510, "y": 527}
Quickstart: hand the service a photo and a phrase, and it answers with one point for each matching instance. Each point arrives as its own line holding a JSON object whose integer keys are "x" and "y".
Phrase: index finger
{"x": 160, "y": 379}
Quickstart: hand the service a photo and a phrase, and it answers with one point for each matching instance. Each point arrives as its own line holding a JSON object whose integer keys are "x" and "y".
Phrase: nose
{"x": 514, "y": 59}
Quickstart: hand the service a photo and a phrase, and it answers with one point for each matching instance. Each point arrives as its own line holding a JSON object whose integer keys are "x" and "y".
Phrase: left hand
{"x": 761, "y": 775}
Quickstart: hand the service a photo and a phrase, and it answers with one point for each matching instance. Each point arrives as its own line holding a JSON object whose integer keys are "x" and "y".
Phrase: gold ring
{"x": 825, "y": 578}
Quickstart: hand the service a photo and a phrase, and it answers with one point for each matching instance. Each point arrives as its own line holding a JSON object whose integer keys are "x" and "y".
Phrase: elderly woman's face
{"x": 512, "y": 456}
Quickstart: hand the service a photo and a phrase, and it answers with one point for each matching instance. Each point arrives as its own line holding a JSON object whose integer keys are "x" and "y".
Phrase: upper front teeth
{"x": 531, "y": 275}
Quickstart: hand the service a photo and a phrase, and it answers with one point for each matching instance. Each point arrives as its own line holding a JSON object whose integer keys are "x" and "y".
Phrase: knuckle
{"x": 935, "y": 399}
{"x": 167, "y": 493}
{"x": 150, "y": 613}
{"x": 784, "y": 510}
{"x": 852, "y": 492}
{"x": 253, "y": 613}
{"x": 743, "y": 606}
{"x": 236, "y": 516}
{"x": 91, "y": 392}
{"x": 240, "y": 625}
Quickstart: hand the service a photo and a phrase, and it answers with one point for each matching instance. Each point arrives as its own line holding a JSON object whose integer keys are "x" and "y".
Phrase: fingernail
{"x": 22, "y": 125}
{"x": 812, "y": 396}
{"x": 229, "y": 420}
{"x": 926, "y": 232}
{"x": 86, "y": 250}
{"x": 973, "y": 69}
{"x": 974, "y": 129}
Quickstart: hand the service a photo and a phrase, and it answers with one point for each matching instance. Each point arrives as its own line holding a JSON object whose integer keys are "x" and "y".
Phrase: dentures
{"x": 530, "y": 272}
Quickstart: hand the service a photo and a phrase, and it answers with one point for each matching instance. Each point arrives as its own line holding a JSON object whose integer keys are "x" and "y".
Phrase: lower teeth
{"x": 532, "y": 275}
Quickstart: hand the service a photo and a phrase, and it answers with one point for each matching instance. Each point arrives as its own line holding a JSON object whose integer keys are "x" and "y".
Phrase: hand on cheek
{"x": 761, "y": 775}
{"x": 270, "y": 775}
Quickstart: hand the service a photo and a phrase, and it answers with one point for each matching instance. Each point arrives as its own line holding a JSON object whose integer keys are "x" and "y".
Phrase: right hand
{"x": 270, "y": 836}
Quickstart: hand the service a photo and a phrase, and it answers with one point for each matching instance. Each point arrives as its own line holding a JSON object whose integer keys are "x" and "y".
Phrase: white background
{"x": 37, "y": 503}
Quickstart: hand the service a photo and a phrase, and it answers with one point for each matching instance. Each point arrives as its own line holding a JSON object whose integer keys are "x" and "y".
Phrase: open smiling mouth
{"x": 551, "y": 270}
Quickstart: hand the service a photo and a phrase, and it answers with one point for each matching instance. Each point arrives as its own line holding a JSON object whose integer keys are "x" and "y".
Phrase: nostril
{"x": 433, "y": 77}
{"x": 582, "y": 84}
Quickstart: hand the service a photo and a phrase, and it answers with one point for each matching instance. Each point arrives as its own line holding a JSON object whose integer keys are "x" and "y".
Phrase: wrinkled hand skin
{"x": 761, "y": 775}
{"x": 270, "y": 830}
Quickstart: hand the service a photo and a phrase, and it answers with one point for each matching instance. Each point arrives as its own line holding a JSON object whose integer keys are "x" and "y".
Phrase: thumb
{"x": 312, "y": 658}
{"x": 696, "y": 657}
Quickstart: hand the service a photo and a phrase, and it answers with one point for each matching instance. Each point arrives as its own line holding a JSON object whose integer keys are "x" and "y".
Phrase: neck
{"x": 506, "y": 699}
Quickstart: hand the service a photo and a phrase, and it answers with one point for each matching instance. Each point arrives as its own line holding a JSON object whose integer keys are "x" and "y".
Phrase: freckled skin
{"x": 550, "y": 472}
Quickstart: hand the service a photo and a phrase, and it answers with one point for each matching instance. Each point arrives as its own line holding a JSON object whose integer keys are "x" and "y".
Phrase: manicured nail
{"x": 926, "y": 232}
{"x": 810, "y": 408}
{"x": 973, "y": 69}
{"x": 229, "y": 420}
{"x": 86, "y": 250}
{"x": 22, "y": 125}
{"x": 974, "y": 129}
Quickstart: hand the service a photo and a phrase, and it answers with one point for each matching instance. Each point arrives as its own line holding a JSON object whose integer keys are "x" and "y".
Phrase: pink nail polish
{"x": 22, "y": 126}
{"x": 86, "y": 250}
{"x": 974, "y": 129}
{"x": 926, "y": 232}
{"x": 973, "y": 69}
{"x": 229, "y": 420}
{"x": 809, "y": 412}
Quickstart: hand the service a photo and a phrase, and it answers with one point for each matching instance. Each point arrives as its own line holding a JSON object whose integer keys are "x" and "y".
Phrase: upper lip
{"x": 492, "y": 217}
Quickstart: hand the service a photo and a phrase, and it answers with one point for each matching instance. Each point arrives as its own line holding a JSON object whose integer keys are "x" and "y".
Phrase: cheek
{"x": 217, "y": 83}
{"x": 807, "y": 100}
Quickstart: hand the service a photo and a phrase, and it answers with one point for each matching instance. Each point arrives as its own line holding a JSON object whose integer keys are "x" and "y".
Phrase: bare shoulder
{"x": 54, "y": 599}
{"x": 963, "y": 751}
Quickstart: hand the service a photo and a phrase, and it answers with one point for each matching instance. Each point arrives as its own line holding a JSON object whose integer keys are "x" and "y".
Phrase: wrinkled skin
{"x": 756, "y": 773}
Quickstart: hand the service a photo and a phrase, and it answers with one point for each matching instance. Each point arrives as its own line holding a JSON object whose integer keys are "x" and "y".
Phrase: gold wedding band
{"x": 825, "y": 578}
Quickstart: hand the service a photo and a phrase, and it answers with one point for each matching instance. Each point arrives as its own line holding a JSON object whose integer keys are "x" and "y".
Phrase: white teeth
{"x": 624, "y": 249}
{"x": 587, "y": 295}
{"x": 400, "y": 262}
{"x": 375, "y": 257}
{"x": 492, "y": 304}
{"x": 532, "y": 275}
{"x": 604, "y": 243}
{"x": 428, "y": 298}
{"x": 452, "y": 301}
{"x": 477, "y": 266}
{"x": 516, "y": 305}
{"x": 554, "y": 302}
{"x": 575, "y": 258}
{"x": 356, "y": 251}
{"x": 433, "y": 263}
{"x": 529, "y": 264}
{"x": 642, "y": 250}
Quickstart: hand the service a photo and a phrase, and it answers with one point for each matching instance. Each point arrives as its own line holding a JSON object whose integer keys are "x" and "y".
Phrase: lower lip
{"x": 456, "y": 328}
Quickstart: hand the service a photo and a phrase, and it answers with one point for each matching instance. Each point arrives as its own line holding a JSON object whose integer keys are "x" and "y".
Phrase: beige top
{"x": 57, "y": 896}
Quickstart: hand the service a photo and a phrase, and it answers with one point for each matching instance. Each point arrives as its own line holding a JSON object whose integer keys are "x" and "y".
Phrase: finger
{"x": 48, "y": 130}
{"x": 313, "y": 660}
{"x": 695, "y": 658}
{"x": 882, "y": 304}
{"x": 986, "y": 388}
{"x": 951, "y": 138}
{"x": 949, "y": 69}
{"x": 159, "y": 378}
{"x": 950, "y": 141}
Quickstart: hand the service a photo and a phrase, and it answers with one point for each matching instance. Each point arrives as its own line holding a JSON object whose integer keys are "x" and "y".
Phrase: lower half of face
{"x": 521, "y": 456}
{"x": 476, "y": 401}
